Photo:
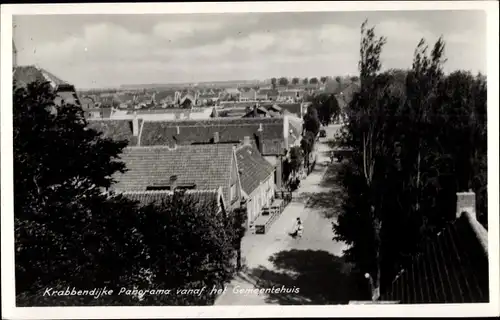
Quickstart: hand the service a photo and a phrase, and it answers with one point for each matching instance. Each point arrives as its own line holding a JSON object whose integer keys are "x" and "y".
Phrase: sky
{"x": 98, "y": 51}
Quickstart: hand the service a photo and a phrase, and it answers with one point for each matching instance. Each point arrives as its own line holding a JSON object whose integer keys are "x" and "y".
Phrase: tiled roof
{"x": 164, "y": 94}
{"x": 453, "y": 268}
{"x": 238, "y": 104}
{"x": 291, "y": 94}
{"x": 115, "y": 129}
{"x": 293, "y": 108}
{"x": 87, "y": 102}
{"x": 251, "y": 94}
{"x": 202, "y": 131}
{"x": 206, "y": 166}
{"x": 156, "y": 197}
{"x": 269, "y": 92}
{"x": 23, "y": 75}
{"x": 252, "y": 166}
{"x": 232, "y": 91}
{"x": 259, "y": 110}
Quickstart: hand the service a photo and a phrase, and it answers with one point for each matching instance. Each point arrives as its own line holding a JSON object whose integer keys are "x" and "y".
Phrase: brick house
{"x": 273, "y": 136}
{"x": 190, "y": 167}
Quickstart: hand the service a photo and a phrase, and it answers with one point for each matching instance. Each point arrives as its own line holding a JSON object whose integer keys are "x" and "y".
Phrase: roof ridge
{"x": 165, "y": 191}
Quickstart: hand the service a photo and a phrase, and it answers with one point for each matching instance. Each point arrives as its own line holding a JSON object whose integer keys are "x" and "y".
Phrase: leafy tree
{"x": 305, "y": 81}
{"x": 338, "y": 79}
{"x": 273, "y": 83}
{"x": 66, "y": 231}
{"x": 323, "y": 80}
{"x": 313, "y": 81}
{"x": 293, "y": 162}
{"x": 295, "y": 81}
{"x": 69, "y": 233}
{"x": 307, "y": 146}
{"x": 311, "y": 121}
{"x": 327, "y": 107}
{"x": 418, "y": 136}
{"x": 191, "y": 244}
{"x": 354, "y": 79}
{"x": 283, "y": 81}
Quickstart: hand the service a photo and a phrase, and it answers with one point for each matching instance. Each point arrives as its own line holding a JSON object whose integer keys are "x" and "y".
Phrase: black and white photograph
{"x": 244, "y": 157}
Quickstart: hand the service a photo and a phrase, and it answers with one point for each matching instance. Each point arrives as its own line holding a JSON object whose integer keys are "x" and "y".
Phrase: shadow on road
{"x": 321, "y": 278}
{"x": 331, "y": 177}
{"x": 329, "y": 203}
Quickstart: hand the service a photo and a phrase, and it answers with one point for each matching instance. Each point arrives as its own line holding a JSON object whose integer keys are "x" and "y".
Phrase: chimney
{"x": 466, "y": 202}
{"x": 216, "y": 137}
{"x": 246, "y": 140}
{"x": 173, "y": 182}
{"x": 135, "y": 125}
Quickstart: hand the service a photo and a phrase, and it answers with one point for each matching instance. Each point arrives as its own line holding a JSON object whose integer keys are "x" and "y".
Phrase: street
{"x": 312, "y": 264}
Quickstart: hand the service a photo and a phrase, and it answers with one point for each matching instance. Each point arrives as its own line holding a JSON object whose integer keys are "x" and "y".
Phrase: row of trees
{"x": 283, "y": 81}
{"x": 68, "y": 233}
{"x": 418, "y": 136}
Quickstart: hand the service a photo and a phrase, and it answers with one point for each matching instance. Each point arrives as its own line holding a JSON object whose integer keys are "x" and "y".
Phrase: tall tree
{"x": 323, "y": 80}
{"x": 307, "y": 146}
{"x": 418, "y": 136}
{"x": 67, "y": 233}
{"x": 327, "y": 107}
{"x": 305, "y": 81}
{"x": 273, "y": 83}
{"x": 314, "y": 80}
{"x": 283, "y": 81}
{"x": 311, "y": 121}
{"x": 295, "y": 81}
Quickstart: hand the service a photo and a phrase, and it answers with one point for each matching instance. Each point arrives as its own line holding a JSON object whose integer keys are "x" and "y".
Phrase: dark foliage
{"x": 70, "y": 233}
{"x": 418, "y": 136}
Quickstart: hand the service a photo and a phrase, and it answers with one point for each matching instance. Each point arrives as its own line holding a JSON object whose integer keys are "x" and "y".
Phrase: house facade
{"x": 257, "y": 179}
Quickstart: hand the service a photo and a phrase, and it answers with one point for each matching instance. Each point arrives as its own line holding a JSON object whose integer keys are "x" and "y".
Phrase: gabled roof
{"x": 232, "y": 91}
{"x": 274, "y": 107}
{"x": 293, "y": 108}
{"x": 269, "y": 92}
{"x": 115, "y": 129}
{"x": 290, "y": 94}
{"x": 24, "y": 75}
{"x": 253, "y": 168}
{"x": 202, "y": 131}
{"x": 203, "y": 198}
{"x": 87, "y": 102}
{"x": 205, "y": 166}
{"x": 164, "y": 94}
{"x": 453, "y": 268}
{"x": 259, "y": 110}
